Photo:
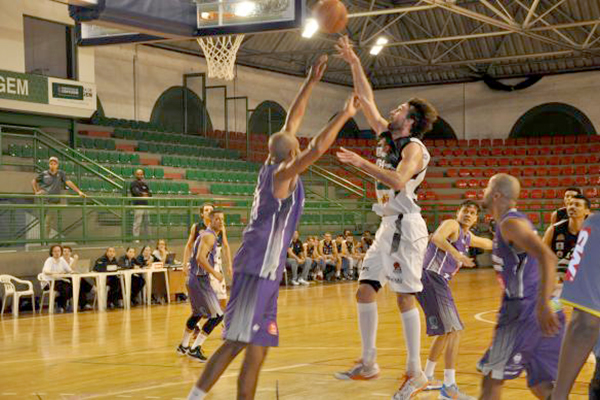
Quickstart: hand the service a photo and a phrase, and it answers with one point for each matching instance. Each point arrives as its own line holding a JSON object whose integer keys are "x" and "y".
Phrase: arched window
{"x": 169, "y": 111}
{"x": 441, "y": 130}
{"x": 552, "y": 119}
{"x": 268, "y": 118}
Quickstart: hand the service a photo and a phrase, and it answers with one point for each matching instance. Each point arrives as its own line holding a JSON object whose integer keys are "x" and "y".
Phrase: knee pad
{"x": 212, "y": 323}
{"x": 192, "y": 321}
{"x": 376, "y": 285}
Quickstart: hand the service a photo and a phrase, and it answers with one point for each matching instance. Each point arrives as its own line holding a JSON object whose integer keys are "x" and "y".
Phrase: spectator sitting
{"x": 145, "y": 258}
{"x": 366, "y": 241}
{"x": 355, "y": 256}
{"x": 55, "y": 265}
{"x": 114, "y": 283}
{"x": 161, "y": 252}
{"x": 296, "y": 257}
{"x": 311, "y": 249}
{"x": 84, "y": 286}
{"x": 129, "y": 261}
{"x": 328, "y": 251}
{"x": 345, "y": 260}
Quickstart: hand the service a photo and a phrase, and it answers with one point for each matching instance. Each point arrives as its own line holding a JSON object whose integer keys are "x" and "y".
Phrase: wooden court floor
{"x": 131, "y": 354}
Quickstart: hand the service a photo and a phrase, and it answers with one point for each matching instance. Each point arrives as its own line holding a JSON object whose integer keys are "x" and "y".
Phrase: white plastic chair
{"x": 11, "y": 290}
{"x": 45, "y": 287}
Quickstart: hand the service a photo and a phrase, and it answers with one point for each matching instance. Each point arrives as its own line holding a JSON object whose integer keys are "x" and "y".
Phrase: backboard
{"x": 139, "y": 21}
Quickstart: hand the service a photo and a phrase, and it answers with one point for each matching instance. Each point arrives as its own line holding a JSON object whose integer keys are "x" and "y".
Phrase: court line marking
{"x": 479, "y": 317}
{"x": 188, "y": 381}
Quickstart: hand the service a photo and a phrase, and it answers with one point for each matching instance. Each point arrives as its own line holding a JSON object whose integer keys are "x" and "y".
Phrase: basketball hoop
{"x": 220, "y": 53}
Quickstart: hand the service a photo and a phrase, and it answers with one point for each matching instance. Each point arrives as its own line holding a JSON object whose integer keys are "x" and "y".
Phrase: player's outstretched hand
{"x": 465, "y": 261}
{"x": 548, "y": 319}
{"x": 352, "y": 105}
{"x": 219, "y": 276}
{"x": 318, "y": 68}
{"x": 345, "y": 52}
{"x": 349, "y": 157}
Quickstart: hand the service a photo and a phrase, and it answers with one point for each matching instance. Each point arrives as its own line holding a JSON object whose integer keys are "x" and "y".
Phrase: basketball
{"x": 331, "y": 15}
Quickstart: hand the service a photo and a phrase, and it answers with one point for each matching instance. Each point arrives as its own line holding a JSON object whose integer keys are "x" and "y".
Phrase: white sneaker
{"x": 410, "y": 387}
{"x": 303, "y": 282}
{"x": 452, "y": 393}
{"x": 295, "y": 283}
{"x": 360, "y": 372}
{"x": 433, "y": 384}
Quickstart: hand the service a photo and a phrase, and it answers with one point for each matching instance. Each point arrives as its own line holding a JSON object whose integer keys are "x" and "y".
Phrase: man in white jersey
{"x": 399, "y": 248}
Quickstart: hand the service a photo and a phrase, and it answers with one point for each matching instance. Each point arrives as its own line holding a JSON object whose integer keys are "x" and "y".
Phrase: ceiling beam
{"x": 548, "y": 11}
{"x": 530, "y": 13}
{"x": 386, "y": 11}
{"x": 499, "y": 13}
{"x": 546, "y": 23}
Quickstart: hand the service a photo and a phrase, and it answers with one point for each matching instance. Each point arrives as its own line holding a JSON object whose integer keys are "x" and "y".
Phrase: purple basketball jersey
{"x": 269, "y": 233}
{"x": 438, "y": 261}
{"x": 195, "y": 269}
{"x": 519, "y": 275}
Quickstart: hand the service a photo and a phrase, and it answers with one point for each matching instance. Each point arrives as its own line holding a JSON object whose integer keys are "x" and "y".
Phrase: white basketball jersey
{"x": 389, "y": 155}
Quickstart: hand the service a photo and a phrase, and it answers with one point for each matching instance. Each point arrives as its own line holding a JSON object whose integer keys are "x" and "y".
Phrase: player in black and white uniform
{"x": 561, "y": 214}
{"x": 400, "y": 242}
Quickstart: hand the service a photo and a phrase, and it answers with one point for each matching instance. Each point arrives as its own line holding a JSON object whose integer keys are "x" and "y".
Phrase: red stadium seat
{"x": 566, "y": 160}
{"x": 516, "y": 161}
{"x": 570, "y": 139}
{"x": 544, "y": 151}
{"x": 520, "y": 152}
{"x": 542, "y": 171}
{"x": 521, "y": 142}
{"x": 508, "y": 151}
{"x": 570, "y": 150}
{"x": 532, "y": 151}
{"x": 567, "y": 181}
{"x": 461, "y": 184}
{"x": 442, "y": 162}
{"x": 550, "y": 194}
{"x": 447, "y": 152}
{"x": 545, "y": 140}
{"x": 488, "y": 173}
{"x": 497, "y": 151}
{"x": 453, "y": 173}
{"x": 581, "y": 149}
{"x": 580, "y": 159}
{"x": 581, "y": 181}
{"x": 529, "y": 161}
{"x": 553, "y": 182}
{"x": 468, "y": 162}
{"x": 503, "y": 170}
{"x": 541, "y": 160}
{"x": 430, "y": 195}
{"x": 553, "y": 160}
{"x": 491, "y": 162}
{"x": 471, "y": 152}
{"x": 463, "y": 143}
{"x": 558, "y": 140}
{"x": 476, "y": 173}
{"x": 547, "y": 218}
{"x": 537, "y": 194}
{"x": 582, "y": 139}
{"x": 528, "y": 172}
{"x": 591, "y": 193}
{"x": 533, "y": 141}
{"x": 524, "y": 194}
{"x": 483, "y": 152}
{"x": 451, "y": 142}
{"x": 515, "y": 172}
{"x": 594, "y": 138}
{"x": 480, "y": 162}
{"x": 534, "y": 218}
{"x": 593, "y": 159}
{"x": 435, "y": 152}
{"x": 594, "y": 170}
{"x": 527, "y": 182}
{"x": 580, "y": 170}
{"x": 458, "y": 152}
{"x": 464, "y": 173}
{"x": 498, "y": 142}
{"x": 474, "y": 143}
{"x": 455, "y": 162}
{"x": 541, "y": 182}
{"x": 471, "y": 195}
{"x": 486, "y": 142}
{"x": 567, "y": 170}
{"x": 473, "y": 183}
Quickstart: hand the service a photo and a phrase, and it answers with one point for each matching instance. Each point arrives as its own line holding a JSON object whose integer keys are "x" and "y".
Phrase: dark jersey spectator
{"x": 113, "y": 282}
{"x": 130, "y": 261}
{"x": 141, "y": 218}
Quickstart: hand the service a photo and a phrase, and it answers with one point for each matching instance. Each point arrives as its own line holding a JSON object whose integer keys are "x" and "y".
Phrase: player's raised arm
{"x": 411, "y": 164}
{"x": 298, "y": 107}
{"x": 362, "y": 86}
{"x": 448, "y": 230}
{"x": 320, "y": 144}
{"x": 519, "y": 233}
{"x": 207, "y": 243}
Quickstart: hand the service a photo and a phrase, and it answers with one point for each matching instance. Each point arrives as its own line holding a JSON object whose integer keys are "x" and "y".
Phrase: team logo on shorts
{"x": 433, "y": 321}
{"x": 272, "y": 329}
{"x": 397, "y": 266}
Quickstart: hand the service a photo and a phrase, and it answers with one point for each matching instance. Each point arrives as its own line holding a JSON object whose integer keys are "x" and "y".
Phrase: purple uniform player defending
{"x": 250, "y": 318}
{"x": 447, "y": 252}
{"x": 203, "y": 298}
{"x": 528, "y": 332}
{"x": 582, "y": 292}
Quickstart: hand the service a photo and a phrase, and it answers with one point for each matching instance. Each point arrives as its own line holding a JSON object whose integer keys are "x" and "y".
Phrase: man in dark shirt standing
{"x": 141, "y": 218}
{"x": 51, "y": 182}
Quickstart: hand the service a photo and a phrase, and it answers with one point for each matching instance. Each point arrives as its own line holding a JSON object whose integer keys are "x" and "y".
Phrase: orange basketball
{"x": 331, "y": 15}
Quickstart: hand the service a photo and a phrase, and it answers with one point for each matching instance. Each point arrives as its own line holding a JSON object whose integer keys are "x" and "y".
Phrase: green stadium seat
{"x": 114, "y": 157}
{"x": 148, "y": 172}
{"x": 124, "y": 158}
{"x": 127, "y": 171}
{"x": 142, "y": 146}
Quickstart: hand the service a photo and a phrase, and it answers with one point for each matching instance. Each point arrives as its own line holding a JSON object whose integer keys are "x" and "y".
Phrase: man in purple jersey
{"x": 528, "y": 332}
{"x": 251, "y": 315}
{"x": 446, "y": 253}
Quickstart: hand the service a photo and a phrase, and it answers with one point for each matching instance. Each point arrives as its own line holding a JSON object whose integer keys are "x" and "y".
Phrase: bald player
{"x": 528, "y": 332}
{"x": 251, "y": 315}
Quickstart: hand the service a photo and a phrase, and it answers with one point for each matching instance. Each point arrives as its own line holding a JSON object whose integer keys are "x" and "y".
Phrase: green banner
{"x": 23, "y": 87}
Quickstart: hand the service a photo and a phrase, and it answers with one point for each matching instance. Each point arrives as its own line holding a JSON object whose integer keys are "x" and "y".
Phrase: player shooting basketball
{"x": 251, "y": 315}
{"x": 400, "y": 243}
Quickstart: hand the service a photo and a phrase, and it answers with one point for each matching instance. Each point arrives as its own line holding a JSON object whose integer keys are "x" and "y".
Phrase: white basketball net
{"x": 220, "y": 52}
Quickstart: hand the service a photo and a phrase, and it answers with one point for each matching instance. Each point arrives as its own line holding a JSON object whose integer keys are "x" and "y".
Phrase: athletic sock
{"x": 449, "y": 377}
{"x": 200, "y": 339}
{"x": 430, "y": 368}
{"x": 185, "y": 342}
{"x": 196, "y": 394}
{"x": 411, "y": 324}
{"x": 367, "y": 321}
